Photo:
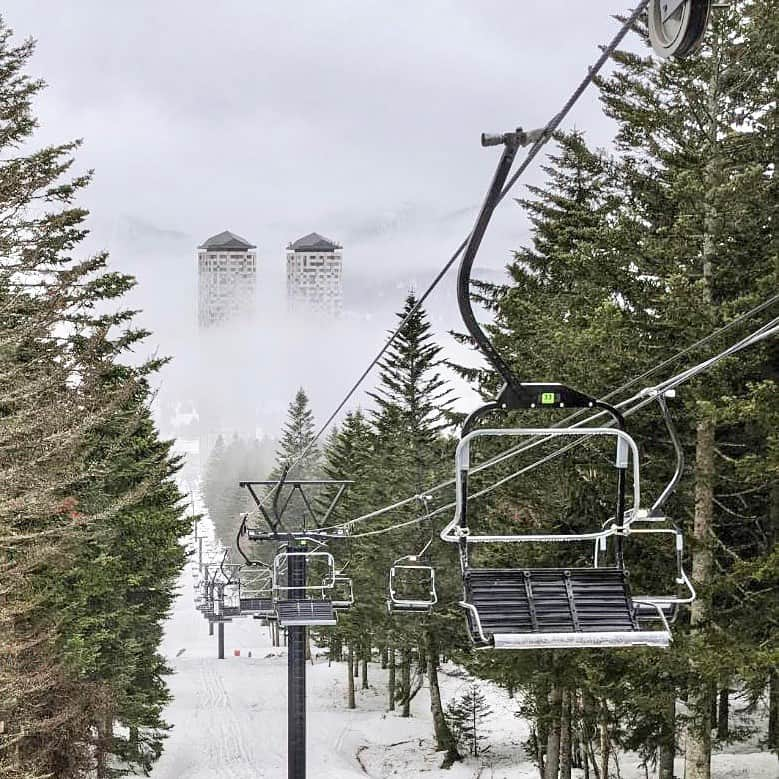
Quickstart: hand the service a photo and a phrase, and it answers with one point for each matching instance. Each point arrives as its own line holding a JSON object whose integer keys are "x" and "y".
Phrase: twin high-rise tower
{"x": 227, "y": 277}
{"x": 314, "y": 275}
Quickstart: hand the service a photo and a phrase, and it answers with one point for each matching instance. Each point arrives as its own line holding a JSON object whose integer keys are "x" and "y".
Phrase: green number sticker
{"x": 548, "y": 398}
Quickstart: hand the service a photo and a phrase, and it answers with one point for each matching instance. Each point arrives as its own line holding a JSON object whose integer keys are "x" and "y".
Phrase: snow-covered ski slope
{"x": 229, "y": 716}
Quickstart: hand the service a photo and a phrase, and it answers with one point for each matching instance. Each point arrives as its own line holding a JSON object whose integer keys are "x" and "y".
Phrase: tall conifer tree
{"x": 412, "y": 414}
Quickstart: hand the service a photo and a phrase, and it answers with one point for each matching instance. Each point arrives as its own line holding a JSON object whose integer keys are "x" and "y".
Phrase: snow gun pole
{"x": 296, "y": 676}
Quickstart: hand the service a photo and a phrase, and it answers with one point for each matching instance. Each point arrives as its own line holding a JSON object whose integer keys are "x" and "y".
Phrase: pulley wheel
{"x": 676, "y": 27}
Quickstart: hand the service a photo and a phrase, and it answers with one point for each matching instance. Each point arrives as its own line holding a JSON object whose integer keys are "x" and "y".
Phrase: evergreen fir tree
{"x": 467, "y": 716}
{"x": 412, "y": 413}
{"x": 298, "y": 457}
{"x": 295, "y": 449}
{"x": 89, "y": 513}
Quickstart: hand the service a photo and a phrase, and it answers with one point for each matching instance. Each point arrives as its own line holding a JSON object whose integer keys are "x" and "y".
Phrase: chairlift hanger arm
{"x": 511, "y": 143}
{"x": 670, "y": 488}
{"x": 514, "y": 394}
{"x": 276, "y": 494}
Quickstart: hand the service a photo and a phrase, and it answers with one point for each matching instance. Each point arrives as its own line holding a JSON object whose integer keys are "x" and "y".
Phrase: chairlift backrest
{"x": 457, "y": 530}
{"x": 342, "y": 594}
{"x": 399, "y": 600}
{"x": 280, "y": 564}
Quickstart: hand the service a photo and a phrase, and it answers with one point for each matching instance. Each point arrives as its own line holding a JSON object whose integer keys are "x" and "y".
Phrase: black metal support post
{"x": 210, "y": 628}
{"x": 296, "y": 676}
{"x": 220, "y": 598}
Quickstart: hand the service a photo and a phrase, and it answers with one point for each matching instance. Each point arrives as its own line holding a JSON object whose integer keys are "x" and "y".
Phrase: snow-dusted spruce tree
{"x": 467, "y": 717}
{"x": 412, "y": 452}
{"x": 89, "y": 515}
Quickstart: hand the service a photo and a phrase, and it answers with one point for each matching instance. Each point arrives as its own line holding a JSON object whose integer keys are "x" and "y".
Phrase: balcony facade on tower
{"x": 227, "y": 279}
{"x": 314, "y": 275}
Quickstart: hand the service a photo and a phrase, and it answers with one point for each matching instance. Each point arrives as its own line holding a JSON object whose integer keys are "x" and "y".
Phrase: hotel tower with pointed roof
{"x": 227, "y": 278}
{"x": 314, "y": 275}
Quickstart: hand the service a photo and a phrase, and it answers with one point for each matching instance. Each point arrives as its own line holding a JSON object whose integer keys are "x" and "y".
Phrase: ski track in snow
{"x": 229, "y": 716}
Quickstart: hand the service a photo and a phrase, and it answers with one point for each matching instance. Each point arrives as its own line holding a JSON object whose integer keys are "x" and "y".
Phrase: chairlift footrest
{"x": 408, "y": 608}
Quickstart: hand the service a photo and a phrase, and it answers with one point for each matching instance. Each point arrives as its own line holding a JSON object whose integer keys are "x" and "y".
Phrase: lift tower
{"x": 297, "y": 603}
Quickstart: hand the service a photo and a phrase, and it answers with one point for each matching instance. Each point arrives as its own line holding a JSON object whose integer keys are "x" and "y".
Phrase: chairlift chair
{"x": 342, "y": 596}
{"x": 257, "y": 597}
{"x": 423, "y": 597}
{"x": 296, "y": 605}
{"x": 534, "y": 608}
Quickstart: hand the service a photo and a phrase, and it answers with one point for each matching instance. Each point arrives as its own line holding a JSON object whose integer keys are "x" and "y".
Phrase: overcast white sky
{"x": 355, "y": 118}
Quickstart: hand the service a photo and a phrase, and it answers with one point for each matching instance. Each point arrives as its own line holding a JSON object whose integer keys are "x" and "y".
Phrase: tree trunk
{"x": 553, "y": 738}
{"x": 773, "y": 711}
{"x": 405, "y": 681}
{"x": 364, "y": 666}
{"x": 698, "y": 750}
{"x": 542, "y": 724}
{"x": 667, "y": 750}
{"x": 391, "y": 677}
{"x": 605, "y": 740}
{"x": 383, "y": 658}
{"x": 444, "y": 739}
{"x": 587, "y": 730}
{"x": 536, "y": 743}
{"x": 699, "y": 695}
{"x": 773, "y": 676}
{"x": 576, "y": 743}
{"x": 723, "y": 712}
{"x": 355, "y": 665}
{"x": 565, "y": 735}
{"x": 105, "y": 727}
{"x": 350, "y": 703}
{"x": 713, "y": 698}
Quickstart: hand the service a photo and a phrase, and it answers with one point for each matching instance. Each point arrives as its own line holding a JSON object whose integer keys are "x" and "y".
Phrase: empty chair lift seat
{"x": 546, "y": 608}
{"x": 263, "y": 606}
{"x": 305, "y": 612}
{"x": 409, "y": 607}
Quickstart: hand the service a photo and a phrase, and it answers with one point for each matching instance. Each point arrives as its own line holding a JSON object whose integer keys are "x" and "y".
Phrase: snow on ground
{"x": 229, "y": 716}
